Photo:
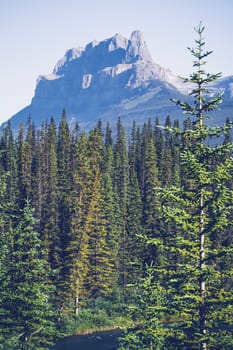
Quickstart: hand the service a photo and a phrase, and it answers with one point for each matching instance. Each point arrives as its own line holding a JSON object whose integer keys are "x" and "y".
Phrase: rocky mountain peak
{"x": 107, "y": 79}
{"x": 117, "y": 42}
{"x": 137, "y": 48}
{"x": 107, "y": 53}
{"x": 69, "y": 56}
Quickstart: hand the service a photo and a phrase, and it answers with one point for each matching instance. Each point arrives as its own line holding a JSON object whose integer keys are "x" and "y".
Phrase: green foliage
{"x": 150, "y": 334}
{"x": 105, "y": 209}
{"x": 27, "y": 316}
{"x": 189, "y": 229}
{"x": 98, "y": 314}
{"x": 200, "y": 210}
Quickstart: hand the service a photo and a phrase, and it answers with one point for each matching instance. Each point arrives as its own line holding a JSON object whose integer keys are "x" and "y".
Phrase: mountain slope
{"x": 113, "y": 78}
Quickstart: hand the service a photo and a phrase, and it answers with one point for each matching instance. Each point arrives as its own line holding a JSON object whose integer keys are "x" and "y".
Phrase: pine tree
{"x": 9, "y": 165}
{"x": 195, "y": 272}
{"x": 121, "y": 179}
{"x": 167, "y": 156}
{"x": 100, "y": 262}
{"x": 26, "y": 301}
{"x": 198, "y": 159}
{"x": 5, "y": 244}
{"x": 49, "y": 226}
{"x": 64, "y": 180}
{"x": 75, "y": 269}
{"x": 200, "y": 210}
{"x": 150, "y": 202}
{"x": 150, "y": 335}
{"x": 134, "y": 212}
{"x": 159, "y": 147}
{"x": 27, "y": 170}
{"x": 111, "y": 206}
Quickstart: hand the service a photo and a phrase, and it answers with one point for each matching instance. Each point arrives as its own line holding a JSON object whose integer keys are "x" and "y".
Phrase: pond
{"x": 107, "y": 340}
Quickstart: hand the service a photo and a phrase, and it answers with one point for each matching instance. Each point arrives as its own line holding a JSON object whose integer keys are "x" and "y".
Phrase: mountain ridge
{"x": 113, "y": 78}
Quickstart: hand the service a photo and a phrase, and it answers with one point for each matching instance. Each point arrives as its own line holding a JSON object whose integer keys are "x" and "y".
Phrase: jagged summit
{"x": 118, "y": 47}
{"x": 137, "y": 48}
{"x": 107, "y": 79}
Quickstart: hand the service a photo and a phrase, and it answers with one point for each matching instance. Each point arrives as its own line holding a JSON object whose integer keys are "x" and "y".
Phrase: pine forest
{"x": 125, "y": 225}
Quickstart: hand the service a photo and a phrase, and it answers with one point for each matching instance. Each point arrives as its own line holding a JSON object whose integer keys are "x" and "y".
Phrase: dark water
{"x": 96, "y": 341}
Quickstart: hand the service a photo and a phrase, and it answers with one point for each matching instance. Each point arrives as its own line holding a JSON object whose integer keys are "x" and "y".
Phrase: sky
{"x": 34, "y": 35}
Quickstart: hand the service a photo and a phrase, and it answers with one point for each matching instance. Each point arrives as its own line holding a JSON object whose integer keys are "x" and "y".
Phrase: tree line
{"x": 143, "y": 217}
{"x": 86, "y": 198}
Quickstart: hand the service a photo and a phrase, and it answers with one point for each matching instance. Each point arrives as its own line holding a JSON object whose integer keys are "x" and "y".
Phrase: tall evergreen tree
{"x": 5, "y": 244}
{"x": 111, "y": 205}
{"x": 121, "y": 180}
{"x": 202, "y": 208}
{"x": 9, "y": 165}
{"x": 64, "y": 178}
{"x": 49, "y": 226}
{"x": 150, "y": 202}
{"x": 100, "y": 260}
{"x": 76, "y": 256}
{"x": 134, "y": 212}
{"x": 26, "y": 300}
{"x": 195, "y": 273}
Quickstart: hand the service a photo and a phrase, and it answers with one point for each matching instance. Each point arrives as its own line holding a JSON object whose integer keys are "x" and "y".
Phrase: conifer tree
{"x": 134, "y": 212}
{"x": 75, "y": 268}
{"x": 167, "y": 155}
{"x": 64, "y": 179}
{"x": 28, "y": 316}
{"x": 159, "y": 147}
{"x": 25, "y": 163}
{"x": 111, "y": 205}
{"x": 49, "y": 226}
{"x": 195, "y": 273}
{"x": 100, "y": 260}
{"x": 9, "y": 165}
{"x": 199, "y": 210}
{"x": 150, "y": 202}
{"x": 5, "y": 244}
{"x": 121, "y": 180}
{"x": 150, "y": 334}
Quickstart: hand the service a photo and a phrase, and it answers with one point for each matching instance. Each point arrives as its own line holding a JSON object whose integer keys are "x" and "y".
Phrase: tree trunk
{"x": 202, "y": 311}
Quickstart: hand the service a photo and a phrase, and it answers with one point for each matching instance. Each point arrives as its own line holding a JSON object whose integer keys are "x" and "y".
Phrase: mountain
{"x": 106, "y": 80}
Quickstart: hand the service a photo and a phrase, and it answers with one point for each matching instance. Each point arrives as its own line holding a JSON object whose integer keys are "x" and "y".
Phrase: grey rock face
{"x": 107, "y": 79}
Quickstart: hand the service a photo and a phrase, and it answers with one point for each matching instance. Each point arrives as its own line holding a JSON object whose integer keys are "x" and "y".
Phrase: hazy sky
{"x": 34, "y": 35}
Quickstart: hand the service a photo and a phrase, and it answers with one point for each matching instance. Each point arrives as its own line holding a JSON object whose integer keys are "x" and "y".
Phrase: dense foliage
{"x": 195, "y": 271}
{"x": 90, "y": 216}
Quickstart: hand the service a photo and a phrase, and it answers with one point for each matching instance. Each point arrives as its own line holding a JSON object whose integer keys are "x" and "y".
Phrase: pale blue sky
{"x": 34, "y": 35}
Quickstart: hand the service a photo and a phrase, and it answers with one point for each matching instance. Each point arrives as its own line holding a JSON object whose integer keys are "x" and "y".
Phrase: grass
{"x": 98, "y": 315}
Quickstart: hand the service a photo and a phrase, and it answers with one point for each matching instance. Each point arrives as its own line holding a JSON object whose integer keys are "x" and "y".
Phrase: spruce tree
{"x": 49, "y": 225}
{"x": 5, "y": 245}
{"x": 134, "y": 213}
{"x": 100, "y": 259}
{"x": 75, "y": 268}
{"x": 9, "y": 165}
{"x": 64, "y": 180}
{"x": 195, "y": 274}
{"x": 150, "y": 335}
{"x": 28, "y": 315}
{"x": 200, "y": 210}
{"x": 150, "y": 201}
{"x": 111, "y": 206}
{"x": 121, "y": 180}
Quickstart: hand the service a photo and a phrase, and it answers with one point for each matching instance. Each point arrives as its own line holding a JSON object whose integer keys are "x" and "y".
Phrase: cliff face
{"x": 113, "y": 78}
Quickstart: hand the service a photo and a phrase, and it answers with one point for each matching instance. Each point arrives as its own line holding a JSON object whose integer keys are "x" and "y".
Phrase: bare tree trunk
{"x": 202, "y": 310}
{"x": 76, "y": 306}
